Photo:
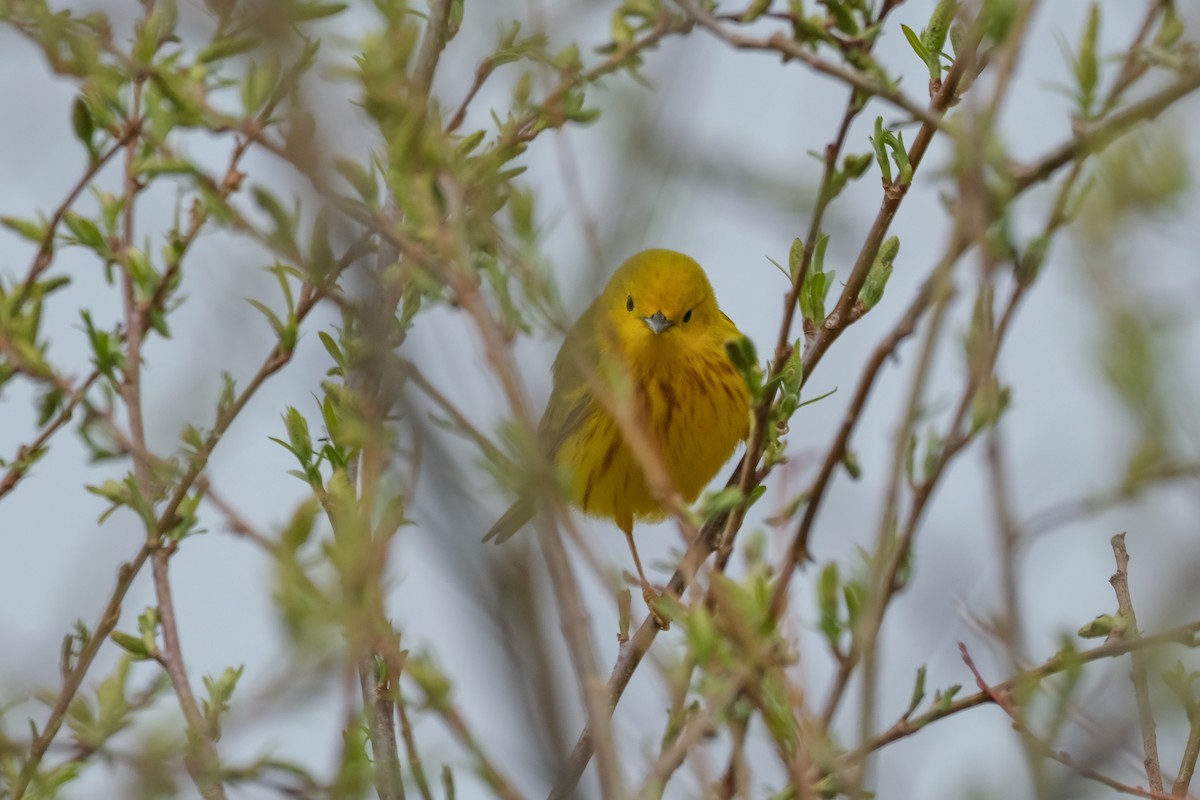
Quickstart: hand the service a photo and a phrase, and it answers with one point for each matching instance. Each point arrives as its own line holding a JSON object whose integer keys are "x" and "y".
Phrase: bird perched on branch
{"x": 646, "y": 403}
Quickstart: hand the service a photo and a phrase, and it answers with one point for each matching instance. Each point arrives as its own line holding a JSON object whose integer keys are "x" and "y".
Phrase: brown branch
{"x": 635, "y": 650}
{"x": 1133, "y": 65}
{"x": 1141, "y": 686}
{"x": 1185, "y": 635}
{"x": 843, "y": 312}
{"x": 206, "y": 770}
{"x": 482, "y": 72}
{"x": 432, "y": 44}
{"x": 16, "y": 472}
{"x": 233, "y": 518}
{"x": 206, "y": 773}
{"x": 576, "y": 630}
{"x": 73, "y": 680}
{"x": 410, "y": 748}
{"x": 791, "y": 49}
{"x": 460, "y": 421}
{"x": 45, "y": 252}
{"x": 377, "y": 699}
{"x": 488, "y": 770}
{"x": 1001, "y": 697}
{"x": 1187, "y": 765}
{"x": 955, "y": 440}
{"x": 798, "y": 549}
{"x": 1096, "y": 136}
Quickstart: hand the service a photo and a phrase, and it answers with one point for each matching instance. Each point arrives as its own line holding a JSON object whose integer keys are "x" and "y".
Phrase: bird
{"x": 655, "y": 340}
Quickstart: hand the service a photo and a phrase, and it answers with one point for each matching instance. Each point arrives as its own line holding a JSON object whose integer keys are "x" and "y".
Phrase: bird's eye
{"x": 688, "y": 316}
{"x": 629, "y": 303}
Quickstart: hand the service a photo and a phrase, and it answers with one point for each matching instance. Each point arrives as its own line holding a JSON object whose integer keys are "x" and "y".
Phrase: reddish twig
{"x": 1000, "y": 696}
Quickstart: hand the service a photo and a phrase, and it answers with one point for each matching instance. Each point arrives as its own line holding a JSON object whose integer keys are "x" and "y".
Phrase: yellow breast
{"x": 696, "y": 411}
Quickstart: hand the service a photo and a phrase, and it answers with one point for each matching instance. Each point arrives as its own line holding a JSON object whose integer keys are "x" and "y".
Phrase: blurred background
{"x": 713, "y": 156}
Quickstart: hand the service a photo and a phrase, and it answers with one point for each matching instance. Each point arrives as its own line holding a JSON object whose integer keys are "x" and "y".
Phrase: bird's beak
{"x": 657, "y": 322}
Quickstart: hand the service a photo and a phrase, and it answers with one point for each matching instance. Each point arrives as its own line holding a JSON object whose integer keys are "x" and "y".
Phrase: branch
{"x": 73, "y": 680}
{"x": 1141, "y": 686}
{"x": 17, "y": 470}
{"x": 45, "y": 253}
{"x": 1185, "y": 635}
{"x": 206, "y": 772}
{"x": 1001, "y": 697}
{"x": 432, "y": 44}
{"x": 1096, "y": 136}
{"x": 791, "y": 49}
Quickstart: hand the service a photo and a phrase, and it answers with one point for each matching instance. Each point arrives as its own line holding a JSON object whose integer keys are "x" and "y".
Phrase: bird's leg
{"x": 648, "y": 594}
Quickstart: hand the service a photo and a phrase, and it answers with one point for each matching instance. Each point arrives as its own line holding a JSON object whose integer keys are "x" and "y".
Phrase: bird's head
{"x": 659, "y": 301}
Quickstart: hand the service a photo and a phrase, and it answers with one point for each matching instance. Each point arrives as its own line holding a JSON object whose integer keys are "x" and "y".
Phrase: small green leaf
{"x": 1087, "y": 68}
{"x": 828, "y": 586}
{"x": 1105, "y": 625}
{"x": 918, "y": 692}
{"x": 914, "y": 41}
{"x": 933, "y": 38}
{"x": 83, "y": 125}
{"x": 131, "y": 644}
{"x": 361, "y": 178}
{"x": 33, "y": 231}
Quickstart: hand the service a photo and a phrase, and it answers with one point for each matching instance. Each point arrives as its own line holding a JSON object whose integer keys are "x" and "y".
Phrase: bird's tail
{"x": 511, "y": 521}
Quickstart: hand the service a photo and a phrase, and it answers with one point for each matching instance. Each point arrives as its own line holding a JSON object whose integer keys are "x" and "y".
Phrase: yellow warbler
{"x": 656, "y": 329}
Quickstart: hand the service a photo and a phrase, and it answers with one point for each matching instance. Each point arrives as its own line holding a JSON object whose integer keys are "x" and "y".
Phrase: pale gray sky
{"x": 743, "y": 119}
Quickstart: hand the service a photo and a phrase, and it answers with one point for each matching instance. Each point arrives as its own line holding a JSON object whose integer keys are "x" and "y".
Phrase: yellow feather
{"x": 654, "y": 338}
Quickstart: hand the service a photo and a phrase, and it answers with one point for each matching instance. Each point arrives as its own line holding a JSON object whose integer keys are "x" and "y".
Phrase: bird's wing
{"x": 571, "y": 400}
{"x": 570, "y": 403}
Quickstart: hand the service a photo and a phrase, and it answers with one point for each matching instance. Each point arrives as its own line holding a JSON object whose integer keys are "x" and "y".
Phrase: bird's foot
{"x": 653, "y": 603}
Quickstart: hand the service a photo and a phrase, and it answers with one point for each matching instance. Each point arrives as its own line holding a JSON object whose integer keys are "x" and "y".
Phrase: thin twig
{"x": 1002, "y": 698}
{"x": 1187, "y": 765}
{"x": 45, "y": 252}
{"x": 1185, "y": 635}
{"x": 18, "y": 470}
{"x": 1141, "y": 685}
{"x": 432, "y": 44}
{"x": 1095, "y": 136}
{"x": 233, "y": 518}
{"x": 206, "y": 770}
{"x": 496, "y": 780}
{"x": 410, "y": 747}
{"x": 790, "y": 48}
{"x": 72, "y": 681}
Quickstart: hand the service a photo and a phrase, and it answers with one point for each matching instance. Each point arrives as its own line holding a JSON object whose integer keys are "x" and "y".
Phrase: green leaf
{"x": 933, "y": 38}
{"x": 33, "y": 231}
{"x": 86, "y": 232}
{"x": 307, "y": 12}
{"x": 300, "y": 528}
{"x": 879, "y": 143}
{"x": 1104, "y": 625}
{"x": 228, "y": 46}
{"x": 83, "y": 125}
{"x": 881, "y": 271}
{"x": 918, "y": 692}
{"x": 298, "y": 436}
{"x": 828, "y": 586}
{"x": 284, "y": 234}
{"x": 795, "y": 258}
{"x": 332, "y": 348}
{"x": 361, "y": 178}
{"x": 321, "y": 262}
{"x": 1087, "y": 68}
{"x": 131, "y": 644}
{"x": 914, "y": 41}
